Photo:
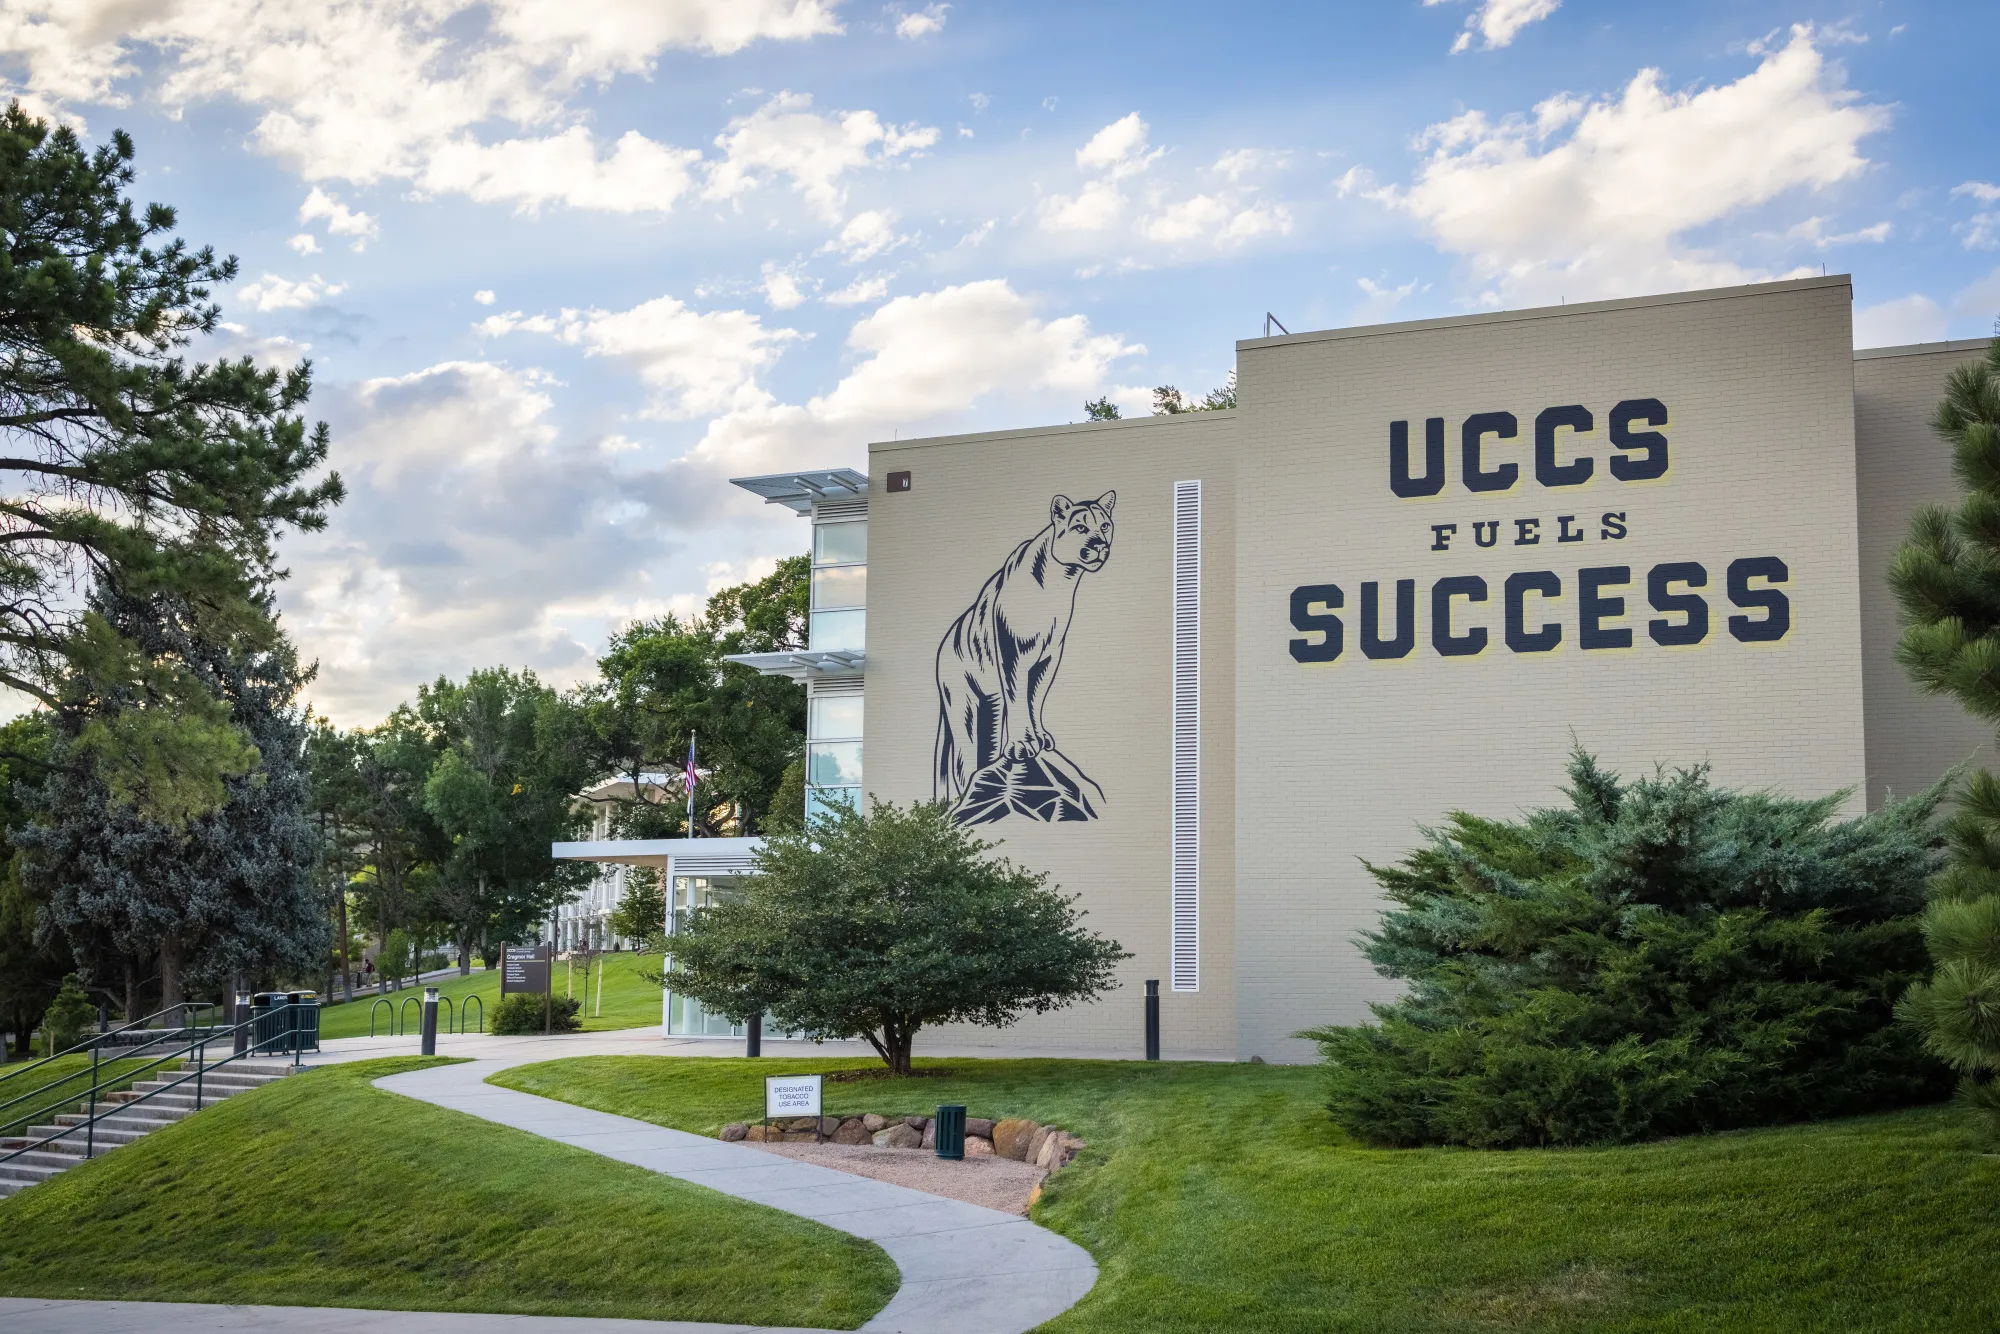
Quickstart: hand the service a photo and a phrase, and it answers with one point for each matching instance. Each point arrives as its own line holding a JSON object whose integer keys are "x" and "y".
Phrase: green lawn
{"x": 323, "y": 1191}
{"x": 1218, "y": 1197}
{"x": 629, "y": 1001}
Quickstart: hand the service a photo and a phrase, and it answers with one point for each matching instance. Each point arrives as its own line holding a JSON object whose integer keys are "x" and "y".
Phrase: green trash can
{"x": 950, "y": 1130}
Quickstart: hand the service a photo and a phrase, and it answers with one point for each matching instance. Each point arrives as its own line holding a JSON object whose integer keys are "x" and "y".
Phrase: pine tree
{"x": 129, "y": 464}
{"x": 1947, "y": 577}
{"x": 231, "y": 892}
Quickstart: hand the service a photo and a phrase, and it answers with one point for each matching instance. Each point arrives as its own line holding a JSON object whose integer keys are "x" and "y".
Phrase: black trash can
{"x": 286, "y": 1022}
{"x": 950, "y": 1130}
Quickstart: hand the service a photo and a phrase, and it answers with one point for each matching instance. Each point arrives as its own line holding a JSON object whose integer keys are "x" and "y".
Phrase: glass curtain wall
{"x": 833, "y": 752}
{"x": 839, "y": 584}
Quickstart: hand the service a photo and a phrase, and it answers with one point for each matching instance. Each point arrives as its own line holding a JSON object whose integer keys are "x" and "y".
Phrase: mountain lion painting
{"x": 995, "y": 756}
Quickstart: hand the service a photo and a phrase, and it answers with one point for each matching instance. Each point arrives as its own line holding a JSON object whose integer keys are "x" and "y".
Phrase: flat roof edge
{"x": 1188, "y": 419}
{"x": 1923, "y": 349}
{"x": 1549, "y": 312}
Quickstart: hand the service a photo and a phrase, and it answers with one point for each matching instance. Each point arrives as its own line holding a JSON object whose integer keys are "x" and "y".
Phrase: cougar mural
{"x": 994, "y": 755}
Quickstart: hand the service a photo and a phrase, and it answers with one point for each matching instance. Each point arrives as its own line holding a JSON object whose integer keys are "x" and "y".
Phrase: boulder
{"x": 898, "y": 1136}
{"x": 852, "y": 1131}
{"x": 1058, "y": 1149}
{"x": 980, "y": 1126}
{"x": 1011, "y": 1136}
{"x": 828, "y": 1125}
{"x": 735, "y": 1130}
{"x": 800, "y": 1137}
{"x": 1036, "y": 1143}
{"x": 916, "y": 1123}
{"x": 873, "y": 1122}
{"x": 930, "y": 1134}
{"x": 803, "y": 1123}
{"x": 759, "y": 1134}
{"x": 978, "y": 1146}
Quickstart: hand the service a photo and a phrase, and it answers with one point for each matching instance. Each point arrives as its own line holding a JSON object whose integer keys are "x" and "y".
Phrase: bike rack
{"x": 403, "y": 1012}
{"x": 392, "y": 1017}
{"x": 449, "y": 1011}
{"x": 467, "y": 1004}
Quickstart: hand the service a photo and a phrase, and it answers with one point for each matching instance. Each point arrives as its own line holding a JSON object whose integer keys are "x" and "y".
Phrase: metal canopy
{"x": 798, "y": 490}
{"x": 804, "y": 664}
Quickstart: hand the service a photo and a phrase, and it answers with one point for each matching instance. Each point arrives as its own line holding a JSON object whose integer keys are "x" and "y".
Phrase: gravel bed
{"x": 995, "y": 1183}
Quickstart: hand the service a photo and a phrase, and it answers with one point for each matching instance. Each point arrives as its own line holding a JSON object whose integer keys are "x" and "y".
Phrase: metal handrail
{"x": 200, "y": 1048}
{"x": 96, "y": 1038}
{"x": 382, "y": 1000}
{"x": 464, "y": 1005}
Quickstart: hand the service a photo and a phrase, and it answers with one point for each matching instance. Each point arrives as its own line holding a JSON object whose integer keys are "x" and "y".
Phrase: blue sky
{"x": 564, "y": 267}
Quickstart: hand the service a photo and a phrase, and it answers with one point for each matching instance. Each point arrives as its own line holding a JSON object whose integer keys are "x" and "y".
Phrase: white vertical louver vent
{"x": 1187, "y": 737}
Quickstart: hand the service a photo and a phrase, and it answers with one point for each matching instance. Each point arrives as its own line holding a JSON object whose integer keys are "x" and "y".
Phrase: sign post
{"x": 528, "y": 968}
{"x": 793, "y": 1095}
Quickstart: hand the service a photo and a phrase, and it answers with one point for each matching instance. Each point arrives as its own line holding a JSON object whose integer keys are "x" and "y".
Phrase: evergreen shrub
{"x": 70, "y": 1017}
{"x": 1657, "y": 958}
{"x": 522, "y": 1012}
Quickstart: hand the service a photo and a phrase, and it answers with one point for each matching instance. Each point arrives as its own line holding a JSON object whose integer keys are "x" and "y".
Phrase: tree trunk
{"x": 172, "y": 953}
{"x": 346, "y": 977}
{"x": 131, "y": 988}
{"x": 465, "y": 957}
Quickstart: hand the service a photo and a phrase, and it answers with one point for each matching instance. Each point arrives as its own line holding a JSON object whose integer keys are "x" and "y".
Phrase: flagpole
{"x": 690, "y": 784}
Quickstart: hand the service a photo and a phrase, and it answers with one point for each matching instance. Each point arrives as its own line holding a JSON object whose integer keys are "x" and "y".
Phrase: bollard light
{"x": 430, "y": 1022}
{"x": 238, "y": 1019}
{"x": 1152, "y": 1019}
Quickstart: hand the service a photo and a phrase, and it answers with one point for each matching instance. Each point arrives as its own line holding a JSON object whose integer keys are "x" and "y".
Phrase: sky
{"x": 564, "y": 267}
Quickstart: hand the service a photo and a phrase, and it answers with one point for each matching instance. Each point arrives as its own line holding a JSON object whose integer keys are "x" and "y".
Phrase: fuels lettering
{"x": 1531, "y": 612}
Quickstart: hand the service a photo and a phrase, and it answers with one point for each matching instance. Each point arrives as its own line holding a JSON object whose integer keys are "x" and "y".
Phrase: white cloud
{"x": 271, "y": 292}
{"x": 1595, "y": 197}
{"x": 514, "y": 321}
{"x": 366, "y": 90}
{"x": 1379, "y": 299}
{"x": 1982, "y": 230}
{"x": 781, "y": 288}
{"x": 925, "y": 359}
{"x": 785, "y": 137}
{"x": 859, "y": 292}
{"x": 1910, "y": 319}
{"x": 637, "y": 176}
{"x": 1497, "y": 22}
{"x": 305, "y": 243}
{"x": 694, "y": 362}
{"x": 1119, "y": 148}
{"x": 1121, "y": 154}
{"x": 867, "y": 235}
{"x": 340, "y": 220}
{"x": 1813, "y": 232}
{"x": 484, "y": 296}
{"x": 922, "y": 23}
{"x": 1207, "y": 218}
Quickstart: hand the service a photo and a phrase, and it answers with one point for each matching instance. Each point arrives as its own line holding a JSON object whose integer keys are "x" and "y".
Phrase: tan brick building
{"x": 1200, "y": 668}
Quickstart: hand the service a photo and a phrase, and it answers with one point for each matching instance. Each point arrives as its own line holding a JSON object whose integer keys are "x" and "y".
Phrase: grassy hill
{"x": 321, "y": 1190}
{"x": 628, "y": 1000}
{"x": 1220, "y": 1198}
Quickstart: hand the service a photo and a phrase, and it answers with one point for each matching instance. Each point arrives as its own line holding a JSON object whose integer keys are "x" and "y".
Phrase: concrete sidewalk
{"x": 35, "y": 1315}
{"x": 966, "y": 1270}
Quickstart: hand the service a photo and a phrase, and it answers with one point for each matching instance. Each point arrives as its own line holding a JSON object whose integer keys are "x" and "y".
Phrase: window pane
{"x": 835, "y": 631}
{"x": 833, "y": 763}
{"x": 835, "y": 716}
{"x": 840, "y": 543}
{"x": 821, "y": 799}
{"x": 841, "y": 586}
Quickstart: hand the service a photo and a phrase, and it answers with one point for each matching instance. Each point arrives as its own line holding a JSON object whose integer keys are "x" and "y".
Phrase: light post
{"x": 430, "y": 1021}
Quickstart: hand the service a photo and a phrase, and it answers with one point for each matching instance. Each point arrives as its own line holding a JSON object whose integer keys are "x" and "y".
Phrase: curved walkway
{"x": 966, "y": 1270}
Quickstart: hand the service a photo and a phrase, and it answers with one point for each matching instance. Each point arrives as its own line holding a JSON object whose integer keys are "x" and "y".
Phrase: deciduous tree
{"x": 875, "y": 925}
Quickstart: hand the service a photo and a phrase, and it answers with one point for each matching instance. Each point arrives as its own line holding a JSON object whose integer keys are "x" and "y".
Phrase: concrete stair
{"x": 119, "y": 1128}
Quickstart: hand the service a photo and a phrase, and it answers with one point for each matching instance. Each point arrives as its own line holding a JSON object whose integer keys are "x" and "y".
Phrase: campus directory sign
{"x": 791, "y": 1095}
{"x": 524, "y": 968}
